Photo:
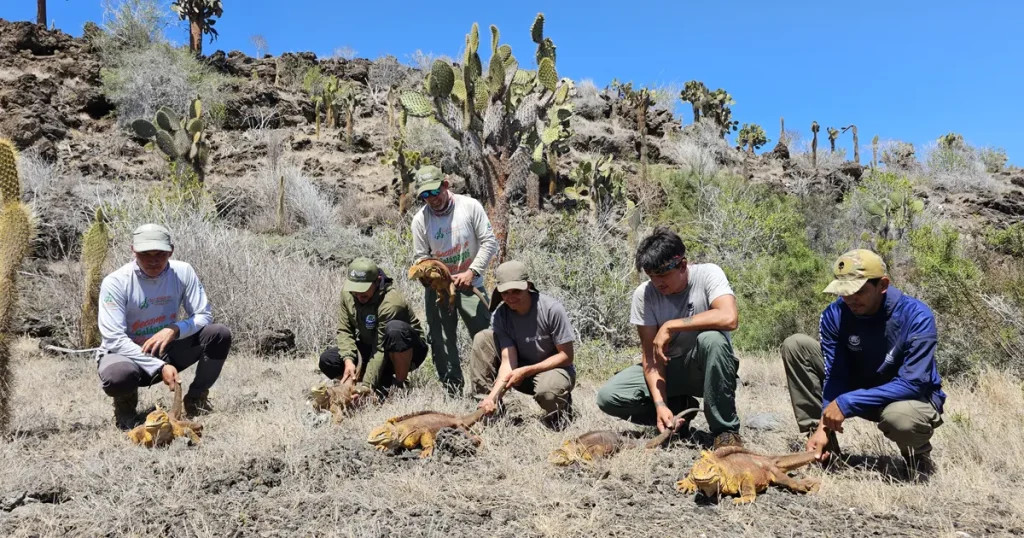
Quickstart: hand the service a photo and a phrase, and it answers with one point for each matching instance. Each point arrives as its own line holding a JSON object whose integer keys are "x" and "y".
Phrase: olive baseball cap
{"x": 853, "y": 269}
{"x": 362, "y": 273}
{"x": 511, "y": 275}
{"x": 151, "y": 237}
{"x": 428, "y": 178}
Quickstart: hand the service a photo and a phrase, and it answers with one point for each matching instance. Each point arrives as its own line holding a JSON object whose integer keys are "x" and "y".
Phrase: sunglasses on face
{"x": 427, "y": 194}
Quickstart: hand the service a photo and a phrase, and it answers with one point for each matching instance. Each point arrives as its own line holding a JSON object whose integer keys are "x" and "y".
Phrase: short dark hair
{"x": 658, "y": 249}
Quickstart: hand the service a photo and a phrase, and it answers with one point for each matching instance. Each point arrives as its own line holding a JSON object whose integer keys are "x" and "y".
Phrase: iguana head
{"x": 564, "y": 455}
{"x": 706, "y": 473}
{"x": 319, "y": 394}
{"x": 384, "y": 434}
{"x": 157, "y": 421}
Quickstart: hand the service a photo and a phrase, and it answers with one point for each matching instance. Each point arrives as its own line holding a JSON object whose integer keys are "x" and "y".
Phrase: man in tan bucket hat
{"x": 875, "y": 360}
{"x": 529, "y": 347}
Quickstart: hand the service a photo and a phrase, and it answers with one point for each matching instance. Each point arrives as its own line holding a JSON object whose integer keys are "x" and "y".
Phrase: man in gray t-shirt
{"x": 529, "y": 347}
{"x": 684, "y": 316}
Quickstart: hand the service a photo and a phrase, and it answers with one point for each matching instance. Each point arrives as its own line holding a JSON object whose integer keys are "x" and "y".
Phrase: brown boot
{"x": 198, "y": 404}
{"x": 124, "y": 410}
{"x": 725, "y": 439}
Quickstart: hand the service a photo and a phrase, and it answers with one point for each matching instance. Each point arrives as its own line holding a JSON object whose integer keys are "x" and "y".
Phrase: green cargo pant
{"x": 707, "y": 371}
{"x": 443, "y": 325}
{"x": 552, "y": 390}
{"x": 908, "y": 423}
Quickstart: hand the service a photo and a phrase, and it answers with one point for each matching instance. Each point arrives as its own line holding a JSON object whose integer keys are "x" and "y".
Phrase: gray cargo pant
{"x": 908, "y": 423}
{"x": 121, "y": 376}
{"x": 552, "y": 390}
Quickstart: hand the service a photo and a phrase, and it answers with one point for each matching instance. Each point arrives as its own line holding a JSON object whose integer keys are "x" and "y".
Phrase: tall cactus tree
{"x": 41, "y": 13}
{"x": 715, "y": 105}
{"x": 814, "y": 144}
{"x": 348, "y": 98}
{"x": 640, "y": 101}
{"x": 16, "y": 230}
{"x": 856, "y": 142}
{"x": 199, "y": 14}
{"x": 499, "y": 117}
{"x": 95, "y": 246}
{"x": 874, "y": 152}
{"x": 752, "y": 137}
{"x": 183, "y": 140}
{"x": 833, "y": 134}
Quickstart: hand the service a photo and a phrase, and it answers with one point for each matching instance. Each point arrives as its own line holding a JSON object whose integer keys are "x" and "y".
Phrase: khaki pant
{"x": 443, "y": 328}
{"x": 551, "y": 389}
{"x": 908, "y": 423}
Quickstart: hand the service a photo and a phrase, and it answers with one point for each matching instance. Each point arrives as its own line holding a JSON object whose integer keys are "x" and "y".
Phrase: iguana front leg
{"x": 427, "y": 442}
{"x": 747, "y": 489}
{"x": 686, "y": 485}
{"x": 451, "y": 295}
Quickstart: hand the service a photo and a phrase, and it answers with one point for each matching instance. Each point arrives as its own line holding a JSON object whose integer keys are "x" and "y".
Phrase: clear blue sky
{"x": 903, "y": 69}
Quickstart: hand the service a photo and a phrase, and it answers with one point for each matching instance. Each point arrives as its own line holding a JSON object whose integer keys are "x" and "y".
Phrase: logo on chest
{"x": 371, "y": 321}
{"x": 853, "y": 343}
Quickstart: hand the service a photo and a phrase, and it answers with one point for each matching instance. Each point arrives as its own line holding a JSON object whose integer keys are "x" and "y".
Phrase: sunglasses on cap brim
{"x": 427, "y": 194}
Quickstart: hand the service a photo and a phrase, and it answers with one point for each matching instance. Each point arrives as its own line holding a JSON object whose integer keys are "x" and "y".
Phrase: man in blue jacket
{"x": 876, "y": 361}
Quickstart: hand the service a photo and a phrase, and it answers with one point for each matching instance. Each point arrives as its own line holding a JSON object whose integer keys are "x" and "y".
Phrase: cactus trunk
{"x": 814, "y": 150}
{"x": 552, "y": 173}
{"x": 856, "y": 146}
{"x": 95, "y": 246}
{"x": 874, "y": 152}
{"x": 41, "y": 13}
{"x": 641, "y": 119}
{"x": 195, "y": 37}
{"x": 316, "y": 112}
{"x": 348, "y": 125}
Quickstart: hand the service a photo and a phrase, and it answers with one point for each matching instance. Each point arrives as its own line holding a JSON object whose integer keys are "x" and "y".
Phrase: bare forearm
{"x": 710, "y": 320}
{"x": 654, "y": 374}
{"x": 499, "y": 381}
{"x": 558, "y": 360}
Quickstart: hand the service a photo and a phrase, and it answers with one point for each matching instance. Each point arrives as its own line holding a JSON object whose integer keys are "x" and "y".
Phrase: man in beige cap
{"x": 875, "y": 360}
{"x": 377, "y": 325}
{"x": 530, "y": 347}
{"x": 144, "y": 340}
{"x": 455, "y": 229}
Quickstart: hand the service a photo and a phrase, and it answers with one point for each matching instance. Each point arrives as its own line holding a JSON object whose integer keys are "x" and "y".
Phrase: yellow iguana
{"x": 161, "y": 427}
{"x": 603, "y": 443}
{"x": 420, "y": 429}
{"x": 434, "y": 274}
{"x": 734, "y": 470}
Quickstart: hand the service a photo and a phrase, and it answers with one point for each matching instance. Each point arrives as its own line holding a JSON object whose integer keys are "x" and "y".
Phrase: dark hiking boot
{"x": 920, "y": 467}
{"x": 725, "y": 439}
{"x": 199, "y": 404}
{"x": 124, "y": 410}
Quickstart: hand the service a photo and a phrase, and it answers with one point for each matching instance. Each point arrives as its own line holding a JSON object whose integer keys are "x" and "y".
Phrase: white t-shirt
{"x": 707, "y": 282}
{"x": 462, "y": 239}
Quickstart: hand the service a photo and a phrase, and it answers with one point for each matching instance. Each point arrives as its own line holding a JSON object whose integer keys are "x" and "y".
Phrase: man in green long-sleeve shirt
{"x": 377, "y": 325}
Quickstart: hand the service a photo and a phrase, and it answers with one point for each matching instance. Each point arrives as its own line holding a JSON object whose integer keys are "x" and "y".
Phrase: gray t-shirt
{"x": 536, "y": 333}
{"x": 707, "y": 283}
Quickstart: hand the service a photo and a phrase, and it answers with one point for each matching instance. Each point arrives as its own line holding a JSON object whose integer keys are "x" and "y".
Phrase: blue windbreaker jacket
{"x": 873, "y": 361}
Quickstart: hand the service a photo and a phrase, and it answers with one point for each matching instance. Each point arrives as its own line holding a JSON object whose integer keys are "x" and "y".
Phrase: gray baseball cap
{"x": 151, "y": 237}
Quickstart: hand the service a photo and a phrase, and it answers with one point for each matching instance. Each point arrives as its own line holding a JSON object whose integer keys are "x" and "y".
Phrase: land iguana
{"x": 434, "y": 274}
{"x": 337, "y": 398}
{"x": 603, "y": 443}
{"x": 420, "y": 429}
{"x": 734, "y": 470}
{"x": 161, "y": 427}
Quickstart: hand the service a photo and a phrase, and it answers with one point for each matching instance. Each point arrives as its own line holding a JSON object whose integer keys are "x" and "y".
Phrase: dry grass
{"x": 267, "y": 466}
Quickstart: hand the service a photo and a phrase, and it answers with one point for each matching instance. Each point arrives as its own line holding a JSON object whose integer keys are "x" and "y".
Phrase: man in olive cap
{"x": 530, "y": 347}
{"x": 876, "y": 360}
{"x": 144, "y": 340}
{"x": 376, "y": 323}
{"x": 455, "y": 229}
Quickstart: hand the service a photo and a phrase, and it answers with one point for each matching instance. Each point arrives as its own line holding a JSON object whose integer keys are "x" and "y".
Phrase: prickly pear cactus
{"x": 16, "y": 230}
{"x": 95, "y": 246}
{"x": 183, "y": 140}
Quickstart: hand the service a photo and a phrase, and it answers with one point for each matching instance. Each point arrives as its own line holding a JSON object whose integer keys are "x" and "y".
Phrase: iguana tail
{"x": 665, "y": 435}
{"x": 480, "y": 295}
{"x": 176, "y": 405}
{"x": 789, "y": 462}
{"x": 475, "y": 416}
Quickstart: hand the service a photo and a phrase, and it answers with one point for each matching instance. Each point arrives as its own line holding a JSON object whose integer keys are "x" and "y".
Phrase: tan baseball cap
{"x": 511, "y": 275}
{"x": 853, "y": 269}
{"x": 362, "y": 273}
{"x": 428, "y": 178}
{"x": 151, "y": 237}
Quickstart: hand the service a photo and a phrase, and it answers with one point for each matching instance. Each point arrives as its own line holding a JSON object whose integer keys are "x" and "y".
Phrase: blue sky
{"x": 906, "y": 70}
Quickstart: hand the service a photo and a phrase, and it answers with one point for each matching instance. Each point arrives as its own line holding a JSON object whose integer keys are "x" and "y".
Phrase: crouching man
{"x": 530, "y": 347}
{"x": 144, "y": 341}
{"x": 876, "y": 360}
{"x": 377, "y": 324}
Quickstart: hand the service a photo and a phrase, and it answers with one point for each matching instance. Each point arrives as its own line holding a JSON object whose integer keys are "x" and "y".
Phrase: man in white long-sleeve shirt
{"x": 455, "y": 229}
{"x": 144, "y": 339}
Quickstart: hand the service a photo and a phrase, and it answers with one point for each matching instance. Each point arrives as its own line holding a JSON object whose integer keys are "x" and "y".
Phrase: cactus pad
{"x": 10, "y": 187}
{"x": 547, "y": 75}
{"x": 442, "y": 78}
{"x": 537, "y": 29}
{"x": 494, "y": 39}
{"x": 144, "y": 128}
{"x": 417, "y": 104}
